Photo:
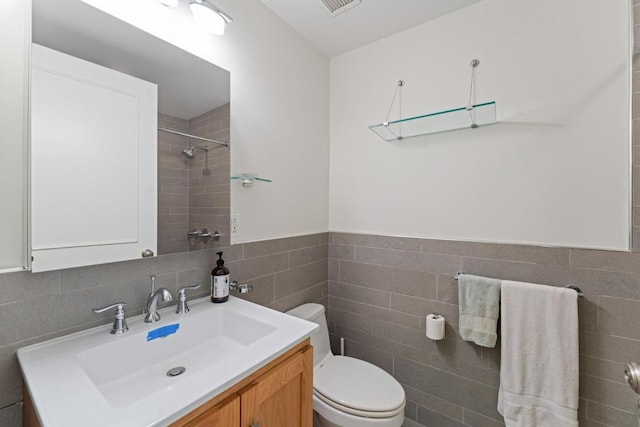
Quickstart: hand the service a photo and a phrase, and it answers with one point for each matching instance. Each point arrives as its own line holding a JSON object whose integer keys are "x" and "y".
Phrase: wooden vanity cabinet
{"x": 277, "y": 395}
{"x": 225, "y": 414}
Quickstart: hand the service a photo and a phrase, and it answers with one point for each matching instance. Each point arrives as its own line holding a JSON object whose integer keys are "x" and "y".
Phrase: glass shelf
{"x": 247, "y": 179}
{"x": 442, "y": 121}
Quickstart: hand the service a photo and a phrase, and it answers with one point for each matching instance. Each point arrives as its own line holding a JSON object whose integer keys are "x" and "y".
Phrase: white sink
{"x": 117, "y": 367}
{"x": 95, "y": 378}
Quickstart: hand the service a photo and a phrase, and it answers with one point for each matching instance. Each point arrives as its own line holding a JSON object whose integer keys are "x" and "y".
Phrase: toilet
{"x": 349, "y": 392}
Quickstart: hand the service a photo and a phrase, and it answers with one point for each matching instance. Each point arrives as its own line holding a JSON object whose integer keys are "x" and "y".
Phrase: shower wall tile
{"x": 378, "y": 299}
{"x": 42, "y": 306}
{"x": 173, "y": 186}
{"x": 209, "y": 183}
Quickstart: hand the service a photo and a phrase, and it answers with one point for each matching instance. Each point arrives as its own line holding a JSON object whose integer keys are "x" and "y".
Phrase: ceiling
{"x": 363, "y": 24}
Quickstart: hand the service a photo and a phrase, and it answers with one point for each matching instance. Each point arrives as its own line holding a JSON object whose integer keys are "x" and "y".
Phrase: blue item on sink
{"x": 162, "y": 332}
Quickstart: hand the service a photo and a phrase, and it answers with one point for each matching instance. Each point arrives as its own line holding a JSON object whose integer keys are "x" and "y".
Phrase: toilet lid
{"x": 357, "y": 384}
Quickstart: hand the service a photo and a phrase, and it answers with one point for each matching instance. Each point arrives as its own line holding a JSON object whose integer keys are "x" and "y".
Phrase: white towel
{"x": 539, "y": 356}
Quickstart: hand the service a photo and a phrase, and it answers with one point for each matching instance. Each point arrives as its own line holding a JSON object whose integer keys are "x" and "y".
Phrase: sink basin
{"x": 95, "y": 378}
{"x": 117, "y": 367}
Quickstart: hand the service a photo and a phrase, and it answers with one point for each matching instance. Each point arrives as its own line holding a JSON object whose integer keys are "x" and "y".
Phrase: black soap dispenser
{"x": 220, "y": 281}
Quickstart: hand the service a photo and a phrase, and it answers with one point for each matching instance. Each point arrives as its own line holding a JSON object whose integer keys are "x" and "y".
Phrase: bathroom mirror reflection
{"x": 193, "y": 99}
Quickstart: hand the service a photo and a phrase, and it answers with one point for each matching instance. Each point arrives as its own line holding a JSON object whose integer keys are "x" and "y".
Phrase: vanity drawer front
{"x": 225, "y": 414}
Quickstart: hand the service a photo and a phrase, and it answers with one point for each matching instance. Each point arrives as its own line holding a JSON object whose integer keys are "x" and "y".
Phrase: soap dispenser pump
{"x": 219, "y": 281}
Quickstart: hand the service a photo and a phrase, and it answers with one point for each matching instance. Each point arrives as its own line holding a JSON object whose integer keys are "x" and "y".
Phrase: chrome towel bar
{"x": 575, "y": 288}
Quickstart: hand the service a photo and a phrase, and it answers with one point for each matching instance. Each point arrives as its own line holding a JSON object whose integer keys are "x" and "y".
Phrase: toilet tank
{"x": 320, "y": 338}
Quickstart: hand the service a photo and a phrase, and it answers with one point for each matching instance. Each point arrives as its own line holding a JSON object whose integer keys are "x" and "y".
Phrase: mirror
{"x": 193, "y": 100}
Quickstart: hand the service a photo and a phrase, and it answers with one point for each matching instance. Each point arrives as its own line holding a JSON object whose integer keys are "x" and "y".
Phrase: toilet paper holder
{"x": 435, "y": 326}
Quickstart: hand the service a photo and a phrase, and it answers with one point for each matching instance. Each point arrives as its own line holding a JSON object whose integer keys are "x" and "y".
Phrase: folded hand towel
{"x": 539, "y": 355}
{"x": 478, "y": 300}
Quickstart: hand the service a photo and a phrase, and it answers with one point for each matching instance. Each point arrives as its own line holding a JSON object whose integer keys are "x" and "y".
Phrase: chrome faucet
{"x": 151, "y": 309}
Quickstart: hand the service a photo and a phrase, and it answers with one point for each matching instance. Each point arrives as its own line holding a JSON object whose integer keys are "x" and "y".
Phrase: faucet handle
{"x": 119, "y": 305}
{"x": 183, "y": 308}
{"x": 119, "y": 323}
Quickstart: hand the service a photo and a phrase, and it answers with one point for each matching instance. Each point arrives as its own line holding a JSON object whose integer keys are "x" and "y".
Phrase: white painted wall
{"x": 554, "y": 170}
{"x": 279, "y": 110}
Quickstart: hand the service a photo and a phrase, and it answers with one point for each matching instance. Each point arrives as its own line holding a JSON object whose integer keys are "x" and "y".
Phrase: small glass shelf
{"x": 247, "y": 179}
{"x": 442, "y": 121}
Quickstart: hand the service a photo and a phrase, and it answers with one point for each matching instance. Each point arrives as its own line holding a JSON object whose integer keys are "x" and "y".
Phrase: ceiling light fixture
{"x": 209, "y": 17}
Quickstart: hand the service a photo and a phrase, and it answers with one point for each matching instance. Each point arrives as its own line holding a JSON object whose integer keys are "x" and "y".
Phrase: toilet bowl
{"x": 349, "y": 392}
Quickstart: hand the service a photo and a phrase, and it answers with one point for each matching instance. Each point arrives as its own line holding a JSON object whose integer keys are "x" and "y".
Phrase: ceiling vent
{"x": 336, "y": 7}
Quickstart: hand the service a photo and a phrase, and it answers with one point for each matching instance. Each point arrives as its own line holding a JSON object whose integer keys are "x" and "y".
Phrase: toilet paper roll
{"x": 435, "y": 326}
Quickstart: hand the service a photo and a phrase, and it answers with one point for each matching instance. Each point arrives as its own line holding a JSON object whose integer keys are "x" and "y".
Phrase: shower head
{"x": 188, "y": 153}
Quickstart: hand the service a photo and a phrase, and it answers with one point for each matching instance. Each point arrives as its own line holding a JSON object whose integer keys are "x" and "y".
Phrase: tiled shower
{"x": 193, "y": 194}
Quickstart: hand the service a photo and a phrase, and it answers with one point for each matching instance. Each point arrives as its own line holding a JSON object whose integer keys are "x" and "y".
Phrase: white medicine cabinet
{"x": 94, "y": 163}
{"x": 79, "y": 148}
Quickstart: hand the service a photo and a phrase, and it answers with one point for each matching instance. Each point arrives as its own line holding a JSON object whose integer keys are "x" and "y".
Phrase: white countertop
{"x": 70, "y": 378}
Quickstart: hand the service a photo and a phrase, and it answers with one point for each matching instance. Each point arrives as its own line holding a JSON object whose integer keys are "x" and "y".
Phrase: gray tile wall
{"x": 209, "y": 184}
{"x": 193, "y": 194}
{"x": 173, "y": 186}
{"x": 37, "y": 307}
{"x": 380, "y": 289}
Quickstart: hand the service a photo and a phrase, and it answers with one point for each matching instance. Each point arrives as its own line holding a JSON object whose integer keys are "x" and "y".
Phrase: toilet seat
{"x": 358, "y": 388}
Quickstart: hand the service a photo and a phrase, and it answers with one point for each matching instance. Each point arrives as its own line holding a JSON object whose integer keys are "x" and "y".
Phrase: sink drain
{"x": 174, "y": 372}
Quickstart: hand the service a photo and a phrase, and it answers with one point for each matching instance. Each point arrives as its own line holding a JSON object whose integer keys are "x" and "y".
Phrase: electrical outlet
{"x": 235, "y": 227}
